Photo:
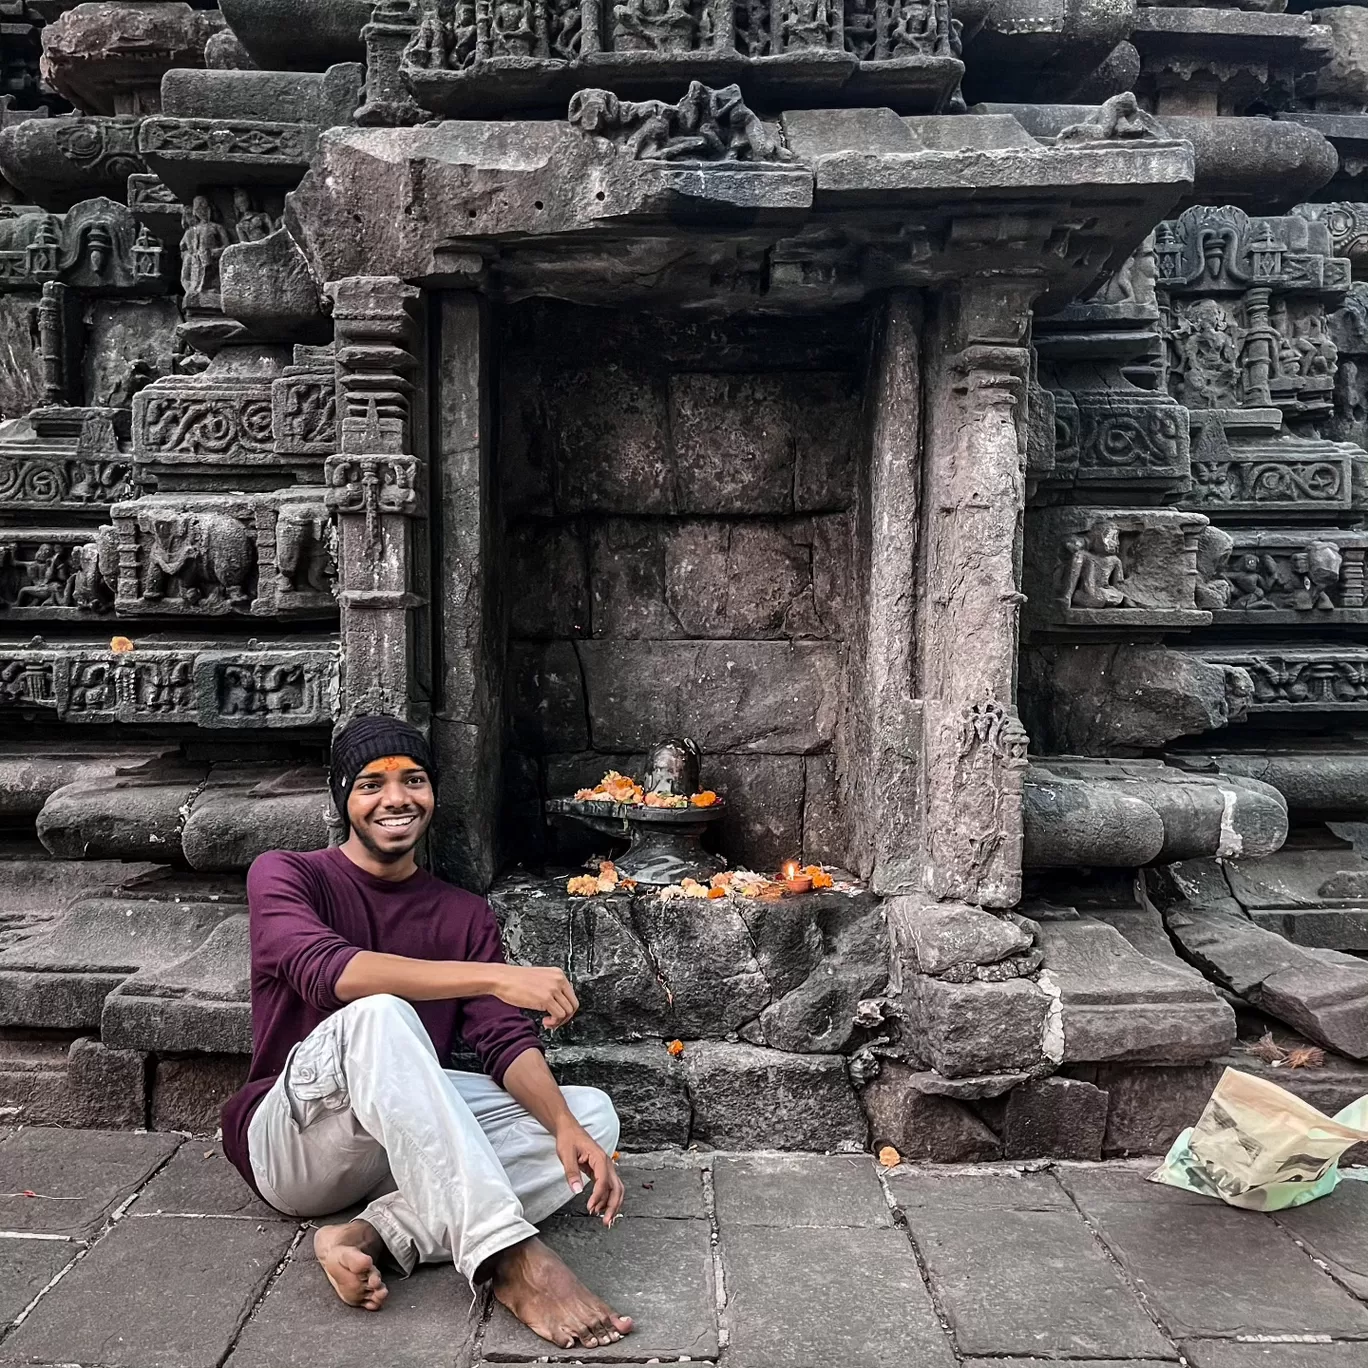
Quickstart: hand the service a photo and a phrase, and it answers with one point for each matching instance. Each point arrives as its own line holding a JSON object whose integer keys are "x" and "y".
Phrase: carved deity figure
{"x": 46, "y": 585}
{"x": 1246, "y": 576}
{"x": 1316, "y": 353}
{"x": 1093, "y": 574}
{"x": 913, "y": 31}
{"x": 1208, "y": 356}
{"x": 654, "y": 26}
{"x": 250, "y": 223}
{"x": 807, "y": 24}
{"x": 512, "y": 29}
{"x": 861, "y": 29}
{"x": 96, "y": 578}
{"x": 201, "y": 246}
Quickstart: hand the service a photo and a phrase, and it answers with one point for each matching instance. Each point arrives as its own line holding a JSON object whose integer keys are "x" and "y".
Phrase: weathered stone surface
{"x": 546, "y": 698}
{"x": 83, "y": 1175}
{"x": 199, "y": 1181}
{"x": 1149, "y": 1106}
{"x": 1268, "y": 1286}
{"x": 26, "y": 1267}
{"x": 1057, "y": 1118}
{"x": 1006, "y": 1188}
{"x": 778, "y": 1190}
{"x": 662, "y": 1269}
{"x": 48, "y": 1082}
{"x": 830, "y": 1309}
{"x": 749, "y": 1098}
{"x": 300, "y": 1312}
{"x": 88, "y": 1317}
{"x": 1336, "y": 1233}
{"x": 1225, "y": 1354}
{"x": 548, "y": 586}
{"x": 977, "y": 1028}
{"x": 1119, "y": 1004}
{"x": 771, "y": 697}
{"x": 135, "y": 816}
{"x": 21, "y": 371}
{"x": 1319, "y": 992}
{"x": 647, "y": 1088}
{"x": 247, "y": 810}
{"x": 656, "y": 1185}
{"x": 938, "y": 937}
{"x": 975, "y": 1259}
{"x": 922, "y": 1125}
{"x": 188, "y": 1093}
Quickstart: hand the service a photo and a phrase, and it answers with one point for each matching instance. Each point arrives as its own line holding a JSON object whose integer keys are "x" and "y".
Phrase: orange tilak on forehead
{"x": 388, "y": 764}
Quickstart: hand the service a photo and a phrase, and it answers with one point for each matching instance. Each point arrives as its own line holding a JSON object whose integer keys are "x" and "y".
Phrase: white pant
{"x": 454, "y": 1169}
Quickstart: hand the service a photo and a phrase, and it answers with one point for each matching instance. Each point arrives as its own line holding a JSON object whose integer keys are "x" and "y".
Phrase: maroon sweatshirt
{"x": 310, "y": 913}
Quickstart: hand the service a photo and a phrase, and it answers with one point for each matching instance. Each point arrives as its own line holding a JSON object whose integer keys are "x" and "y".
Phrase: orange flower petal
{"x": 889, "y": 1157}
{"x": 705, "y": 799}
{"x": 676, "y": 1048}
{"x": 717, "y": 892}
{"x": 120, "y": 645}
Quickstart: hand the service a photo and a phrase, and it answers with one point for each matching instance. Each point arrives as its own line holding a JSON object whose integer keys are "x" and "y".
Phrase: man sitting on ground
{"x": 366, "y": 971}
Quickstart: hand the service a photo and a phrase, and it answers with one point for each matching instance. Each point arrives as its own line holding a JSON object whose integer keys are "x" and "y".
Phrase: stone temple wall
{"x": 952, "y": 416}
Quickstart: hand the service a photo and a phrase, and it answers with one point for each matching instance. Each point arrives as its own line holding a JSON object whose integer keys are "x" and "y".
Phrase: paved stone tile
{"x": 162, "y": 1293}
{"x": 1030, "y": 1282}
{"x": 798, "y": 1190}
{"x": 977, "y": 1191}
{"x": 26, "y": 1267}
{"x": 814, "y": 1297}
{"x": 655, "y": 1190}
{"x": 1058, "y": 1363}
{"x": 1125, "y": 1184}
{"x": 80, "y": 1175}
{"x": 1214, "y": 1271}
{"x": 201, "y": 1181}
{"x": 1225, "y": 1354}
{"x": 1335, "y": 1228}
{"x": 657, "y": 1271}
{"x": 427, "y": 1321}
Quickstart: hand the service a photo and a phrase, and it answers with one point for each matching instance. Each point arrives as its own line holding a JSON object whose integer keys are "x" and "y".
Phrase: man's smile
{"x": 397, "y": 823}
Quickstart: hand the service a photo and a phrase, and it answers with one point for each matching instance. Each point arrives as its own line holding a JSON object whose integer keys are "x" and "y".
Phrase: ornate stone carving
{"x": 201, "y": 245}
{"x": 195, "y": 419}
{"x": 57, "y": 573}
{"x": 62, "y": 459}
{"x": 94, "y": 246}
{"x": 704, "y": 125}
{"x": 240, "y": 140}
{"x": 372, "y": 485}
{"x": 1295, "y": 678}
{"x": 1119, "y": 117}
{"x": 304, "y": 405}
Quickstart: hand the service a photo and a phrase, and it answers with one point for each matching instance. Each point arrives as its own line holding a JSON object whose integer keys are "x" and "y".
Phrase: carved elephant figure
{"x": 303, "y": 555}
{"x": 97, "y": 573}
{"x": 208, "y": 555}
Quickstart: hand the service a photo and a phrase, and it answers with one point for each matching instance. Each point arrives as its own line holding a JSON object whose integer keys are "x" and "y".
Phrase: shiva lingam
{"x": 664, "y": 820}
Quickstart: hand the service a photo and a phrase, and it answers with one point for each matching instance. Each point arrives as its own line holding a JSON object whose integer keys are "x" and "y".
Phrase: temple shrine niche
{"x": 867, "y": 500}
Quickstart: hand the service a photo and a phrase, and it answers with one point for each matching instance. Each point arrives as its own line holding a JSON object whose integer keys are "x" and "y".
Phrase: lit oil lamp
{"x": 795, "y": 880}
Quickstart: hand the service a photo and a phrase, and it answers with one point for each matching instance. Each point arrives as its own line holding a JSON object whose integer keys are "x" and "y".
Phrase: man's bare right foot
{"x": 348, "y": 1254}
{"x": 537, "y": 1287}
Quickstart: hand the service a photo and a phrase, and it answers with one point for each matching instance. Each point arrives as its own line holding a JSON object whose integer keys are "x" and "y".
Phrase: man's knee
{"x": 384, "y": 1011}
{"x": 594, "y": 1110}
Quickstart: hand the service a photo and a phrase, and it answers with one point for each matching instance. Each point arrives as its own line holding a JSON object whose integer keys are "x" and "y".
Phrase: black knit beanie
{"x": 364, "y": 739}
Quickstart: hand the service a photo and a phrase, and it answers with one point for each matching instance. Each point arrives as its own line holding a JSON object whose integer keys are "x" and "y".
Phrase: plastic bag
{"x": 1257, "y": 1146}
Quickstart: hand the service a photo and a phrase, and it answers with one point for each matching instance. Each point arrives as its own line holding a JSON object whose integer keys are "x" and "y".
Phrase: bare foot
{"x": 545, "y": 1295}
{"x": 348, "y": 1254}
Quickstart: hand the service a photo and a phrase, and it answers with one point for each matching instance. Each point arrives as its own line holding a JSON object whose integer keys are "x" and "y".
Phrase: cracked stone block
{"x": 1267, "y": 1285}
{"x": 82, "y": 1174}
{"x": 1121, "y": 1005}
{"x": 30, "y": 772}
{"x": 1055, "y": 1118}
{"x": 298, "y": 1318}
{"x": 1074, "y": 1304}
{"x": 1321, "y": 993}
{"x": 937, "y": 937}
{"x": 48, "y": 1082}
{"x": 61, "y": 975}
{"x": 798, "y": 1190}
{"x": 844, "y": 1296}
{"x": 1149, "y": 1106}
{"x": 199, "y": 1181}
{"x": 89, "y": 1318}
{"x": 247, "y": 810}
{"x": 188, "y": 1093}
{"x": 977, "y": 1028}
{"x": 645, "y": 1083}
{"x": 134, "y": 816}
{"x": 26, "y": 1267}
{"x": 201, "y": 1002}
{"x": 661, "y": 1269}
{"x": 921, "y": 1125}
{"x": 745, "y": 1097}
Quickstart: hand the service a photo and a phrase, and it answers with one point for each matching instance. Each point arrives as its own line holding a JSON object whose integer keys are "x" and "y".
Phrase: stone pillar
{"x": 968, "y": 602}
{"x": 377, "y": 484}
{"x": 468, "y": 645}
{"x": 881, "y": 766}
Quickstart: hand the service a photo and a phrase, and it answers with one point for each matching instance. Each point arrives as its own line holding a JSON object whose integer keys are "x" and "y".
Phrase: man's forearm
{"x": 416, "y": 980}
{"x": 529, "y": 1080}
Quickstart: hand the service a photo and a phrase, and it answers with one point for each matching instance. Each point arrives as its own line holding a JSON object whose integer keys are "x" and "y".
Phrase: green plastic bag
{"x": 1257, "y": 1146}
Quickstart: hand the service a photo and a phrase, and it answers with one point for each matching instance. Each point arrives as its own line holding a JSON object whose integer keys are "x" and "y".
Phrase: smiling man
{"x": 366, "y": 972}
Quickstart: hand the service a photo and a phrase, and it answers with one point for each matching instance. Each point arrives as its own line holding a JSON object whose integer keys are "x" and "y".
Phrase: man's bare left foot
{"x": 348, "y": 1254}
{"x": 537, "y": 1287}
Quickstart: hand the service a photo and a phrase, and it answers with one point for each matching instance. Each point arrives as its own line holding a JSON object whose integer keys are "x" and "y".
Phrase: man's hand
{"x": 543, "y": 990}
{"x": 580, "y": 1154}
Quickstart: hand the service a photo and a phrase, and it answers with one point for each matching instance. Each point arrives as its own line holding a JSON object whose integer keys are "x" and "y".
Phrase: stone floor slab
{"x": 813, "y": 1297}
{"x": 1030, "y": 1282}
{"x": 1006, "y": 1188}
{"x": 1126, "y": 1183}
{"x": 1226, "y": 1354}
{"x": 79, "y": 1176}
{"x": 1215, "y": 1272}
{"x": 798, "y": 1190}
{"x": 200, "y": 1181}
{"x": 657, "y": 1271}
{"x": 195, "y": 1282}
{"x": 1065, "y": 1363}
{"x": 672, "y": 1191}
{"x": 1335, "y": 1228}
{"x": 26, "y": 1267}
{"x": 427, "y": 1322}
